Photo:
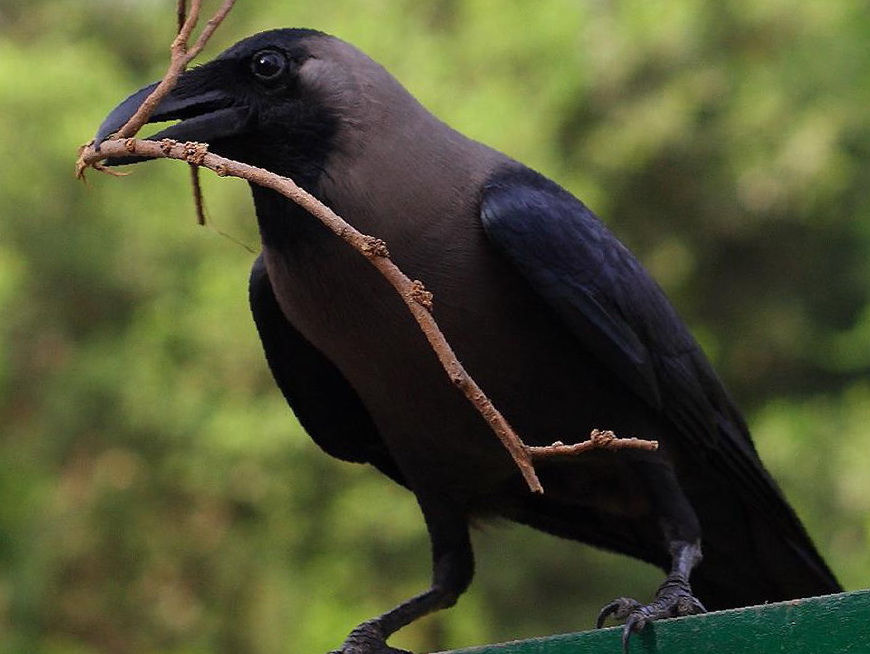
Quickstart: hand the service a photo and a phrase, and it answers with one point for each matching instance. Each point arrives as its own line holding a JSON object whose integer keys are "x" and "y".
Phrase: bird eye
{"x": 268, "y": 65}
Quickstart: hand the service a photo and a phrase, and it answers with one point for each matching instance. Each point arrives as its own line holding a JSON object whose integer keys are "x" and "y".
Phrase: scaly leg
{"x": 453, "y": 569}
{"x": 682, "y": 533}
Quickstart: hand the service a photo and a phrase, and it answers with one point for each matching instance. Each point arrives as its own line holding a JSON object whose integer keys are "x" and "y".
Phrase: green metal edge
{"x": 833, "y": 624}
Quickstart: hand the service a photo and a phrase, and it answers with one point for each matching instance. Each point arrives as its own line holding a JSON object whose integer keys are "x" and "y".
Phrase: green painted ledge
{"x": 833, "y": 624}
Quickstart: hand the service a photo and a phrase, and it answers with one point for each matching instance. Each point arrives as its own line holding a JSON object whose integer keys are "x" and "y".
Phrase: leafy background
{"x": 156, "y": 495}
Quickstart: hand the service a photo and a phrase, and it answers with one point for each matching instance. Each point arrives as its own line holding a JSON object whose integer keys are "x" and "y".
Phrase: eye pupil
{"x": 268, "y": 64}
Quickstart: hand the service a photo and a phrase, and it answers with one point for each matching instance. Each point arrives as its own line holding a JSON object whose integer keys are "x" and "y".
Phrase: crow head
{"x": 283, "y": 100}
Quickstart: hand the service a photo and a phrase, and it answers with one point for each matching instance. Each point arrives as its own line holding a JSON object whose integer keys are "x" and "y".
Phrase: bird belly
{"x": 518, "y": 352}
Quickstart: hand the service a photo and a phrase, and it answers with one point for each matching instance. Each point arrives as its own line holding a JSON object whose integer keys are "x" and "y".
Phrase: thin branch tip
{"x": 599, "y": 439}
{"x": 88, "y": 157}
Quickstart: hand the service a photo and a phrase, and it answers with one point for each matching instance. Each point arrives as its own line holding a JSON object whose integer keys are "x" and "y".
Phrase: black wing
{"x": 616, "y": 310}
{"x": 605, "y": 297}
{"x": 325, "y": 404}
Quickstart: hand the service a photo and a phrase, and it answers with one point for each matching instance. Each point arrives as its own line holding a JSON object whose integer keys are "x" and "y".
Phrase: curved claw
{"x": 620, "y": 608}
{"x": 633, "y": 624}
{"x": 672, "y": 600}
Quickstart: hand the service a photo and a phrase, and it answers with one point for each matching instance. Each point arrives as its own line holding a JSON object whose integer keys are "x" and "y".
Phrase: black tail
{"x": 758, "y": 562}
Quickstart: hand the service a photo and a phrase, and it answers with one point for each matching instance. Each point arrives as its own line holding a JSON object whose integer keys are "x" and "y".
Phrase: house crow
{"x": 548, "y": 311}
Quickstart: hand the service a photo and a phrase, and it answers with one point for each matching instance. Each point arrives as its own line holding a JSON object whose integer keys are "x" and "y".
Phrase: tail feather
{"x": 760, "y": 565}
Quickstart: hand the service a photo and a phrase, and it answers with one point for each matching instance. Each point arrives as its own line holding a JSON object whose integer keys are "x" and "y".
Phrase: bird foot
{"x": 673, "y": 599}
{"x": 368, "y": 638}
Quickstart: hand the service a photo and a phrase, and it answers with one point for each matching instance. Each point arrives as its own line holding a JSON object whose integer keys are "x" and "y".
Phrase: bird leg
{"x": 453, "y": 569}
{"x": 682, "y": 533}
{"x": 672, "y": 599}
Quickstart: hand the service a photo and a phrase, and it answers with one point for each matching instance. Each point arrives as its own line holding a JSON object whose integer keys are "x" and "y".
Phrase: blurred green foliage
{"x": 156, "y": 495}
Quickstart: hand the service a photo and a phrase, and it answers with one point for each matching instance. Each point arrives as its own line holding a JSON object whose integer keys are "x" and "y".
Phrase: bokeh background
{"x": 156, "y": 495}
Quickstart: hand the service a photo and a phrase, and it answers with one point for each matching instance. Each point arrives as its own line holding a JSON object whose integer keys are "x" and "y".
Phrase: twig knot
{"x": 420, "y": 295}
{"x": 194, "y": 153}
{"x": 602, "y": 438}
{"x": 375, "y": 247}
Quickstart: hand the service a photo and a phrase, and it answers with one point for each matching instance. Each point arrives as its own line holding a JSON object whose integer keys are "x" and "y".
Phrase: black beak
{"x": 206, "y": 115}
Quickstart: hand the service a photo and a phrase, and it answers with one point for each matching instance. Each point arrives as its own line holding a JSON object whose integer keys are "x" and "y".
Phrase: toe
{"x": 689, "y": 605}
{"x": 669, "y": 603}
{"x": 620, "y": 609}
{"x": 635, "y": 623}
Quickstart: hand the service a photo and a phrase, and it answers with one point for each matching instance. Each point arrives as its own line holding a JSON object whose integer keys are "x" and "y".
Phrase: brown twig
{"x": 414, "y": 294}
{"x": 198, "y": 203}
{"x": 212, "y": 24}
{"x": 181, "y": 56}
{"x": 598, "y": 439}
{"x": 181, "y": 14}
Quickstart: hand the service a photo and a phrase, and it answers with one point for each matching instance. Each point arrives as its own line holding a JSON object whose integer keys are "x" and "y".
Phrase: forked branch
{"x": 413, "y": 292}
{"x": 181, "y": 56}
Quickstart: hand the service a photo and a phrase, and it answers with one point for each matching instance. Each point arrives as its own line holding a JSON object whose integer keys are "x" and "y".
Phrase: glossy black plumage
{"x": 554, "y": 318}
